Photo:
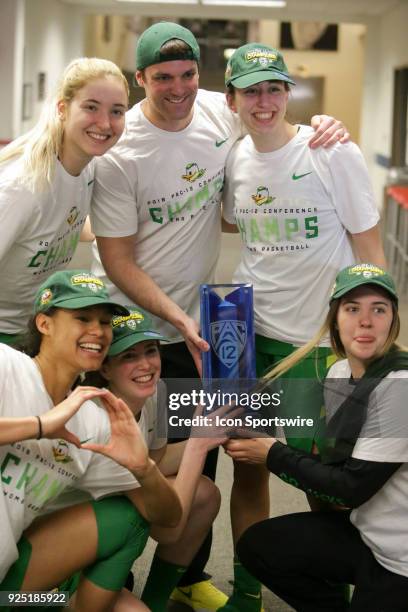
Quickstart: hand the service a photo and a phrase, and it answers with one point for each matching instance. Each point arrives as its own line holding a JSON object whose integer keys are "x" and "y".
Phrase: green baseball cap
{"x": 363, "y": 274}
{"x": 74, "y": 289}
{"x": 128, "y": 330}
{"x": 254, "y": 63}
{"x": 148, "y": 50}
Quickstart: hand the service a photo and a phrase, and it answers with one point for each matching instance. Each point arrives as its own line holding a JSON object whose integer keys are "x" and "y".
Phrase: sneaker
{"x": 243, "y": 602}
{"x": 200, "y": 596}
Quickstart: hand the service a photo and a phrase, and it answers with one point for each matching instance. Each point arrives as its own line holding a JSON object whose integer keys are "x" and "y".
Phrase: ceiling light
{"x": 247, "y": 3}
{"x": 175, "y": 2}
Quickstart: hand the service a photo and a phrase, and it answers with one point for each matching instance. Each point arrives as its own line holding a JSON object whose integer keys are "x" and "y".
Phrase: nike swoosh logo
{"x": 257, "y": 596}
{"x": 218, "y": 143}
{"x": 189, "y": 593}
{"x": 295, "y": 177}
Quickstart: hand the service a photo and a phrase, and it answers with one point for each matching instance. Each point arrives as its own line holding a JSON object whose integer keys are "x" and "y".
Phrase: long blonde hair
{"x": 40, "y": 147}
{"x": 329, "y": 328}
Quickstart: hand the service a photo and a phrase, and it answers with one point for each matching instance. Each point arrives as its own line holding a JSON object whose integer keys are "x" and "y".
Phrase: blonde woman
{"x": 364, "y": 467}
{"x": 46, "y": 179}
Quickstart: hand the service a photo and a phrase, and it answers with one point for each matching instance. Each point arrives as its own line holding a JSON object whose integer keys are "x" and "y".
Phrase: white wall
{"x": 11, "y": 67}
{"x": 342, "y": 70}
{"x": 53, "y": 36}
{"x": 387, "y": 50}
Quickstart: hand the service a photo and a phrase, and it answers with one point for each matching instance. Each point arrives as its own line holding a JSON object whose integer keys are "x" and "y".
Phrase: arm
{"x": 228, "y": 228}
{"x": 16, "y": 430}
{"x": 51, "y": 424}
{"x": 186, "y": 482}
{"x": 368, "y": 246}
{"x": 169, "y": 458}
{"x": 156, "y": 500}
{"x": 203, "y": 439}
{"x": 349, "y": 484}
{"x": 87, "y": 234}
{"x": 344, "y": 174}
{"x": 117, "y": 255}
{"x": 328, "y": 131}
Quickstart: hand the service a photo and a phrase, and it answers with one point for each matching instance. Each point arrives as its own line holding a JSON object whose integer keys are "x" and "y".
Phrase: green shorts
{"x": 122, "y": 536}
{"x": 303, "y": 398}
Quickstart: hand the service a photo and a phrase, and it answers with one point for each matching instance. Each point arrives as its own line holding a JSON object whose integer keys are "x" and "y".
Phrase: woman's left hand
{"x": 126, "y": 445}
{"x": 214, "y": 431}
{"x": 249, "y": 450}
{"x": 328, "y": 131}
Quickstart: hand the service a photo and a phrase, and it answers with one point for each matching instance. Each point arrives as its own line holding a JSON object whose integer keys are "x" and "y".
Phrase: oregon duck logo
{"x": 228, "y": 339}
{"x": 193, "y": 172}
{"x": 46, "y": 297}
{"x": 60, "y": 452}
{"x": 73, "y": 215}
{"x": 262, "y": 196}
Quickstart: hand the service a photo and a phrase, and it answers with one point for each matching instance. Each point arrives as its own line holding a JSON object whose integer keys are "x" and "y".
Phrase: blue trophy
{"x": 227, "y": 325}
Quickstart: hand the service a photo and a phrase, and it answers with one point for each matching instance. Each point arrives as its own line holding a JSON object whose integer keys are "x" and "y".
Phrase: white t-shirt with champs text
{"x": 165, "y": 187}
{"x": 39, "y": 235}
{"x": 295, "y": 208}
{"x": 34, "y": 473}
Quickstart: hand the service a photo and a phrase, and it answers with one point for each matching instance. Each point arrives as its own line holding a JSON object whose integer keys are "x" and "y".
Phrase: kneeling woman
{"x": 132, "y": 372}
{"x": 365, "y": 468}
{"x": 55, "y": 447}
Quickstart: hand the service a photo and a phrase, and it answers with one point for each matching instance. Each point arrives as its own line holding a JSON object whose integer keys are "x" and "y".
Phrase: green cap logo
{"x": 74, "y": 289}
{"x": 254, "y": 63}
{"x": 363, "y": 274}
{"x": 131, "y": 329}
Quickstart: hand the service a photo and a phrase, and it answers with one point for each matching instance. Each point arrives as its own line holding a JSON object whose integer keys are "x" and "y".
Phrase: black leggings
{"x": 304, "y": 557}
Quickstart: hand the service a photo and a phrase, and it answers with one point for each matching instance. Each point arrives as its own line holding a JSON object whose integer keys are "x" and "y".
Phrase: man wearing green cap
{"x": 156, "y": 208}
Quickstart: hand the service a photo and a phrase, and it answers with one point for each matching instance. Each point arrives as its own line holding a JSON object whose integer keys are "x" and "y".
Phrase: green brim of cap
{"x": 85, "y": 302}
{"x": 246, "y": 80}
{"x": 359, "y": 283}
{"x": 122, "y": 344}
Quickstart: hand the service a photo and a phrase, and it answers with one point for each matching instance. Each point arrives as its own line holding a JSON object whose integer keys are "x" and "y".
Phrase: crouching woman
{"x": 132, "y": 372}
{"x": 58, "y": 448}
{"x": 303, "y": 557}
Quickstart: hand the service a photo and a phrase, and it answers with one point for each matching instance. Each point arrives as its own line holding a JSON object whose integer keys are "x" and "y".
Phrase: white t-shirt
{"x": 39, "y": 235}
{"x": 153, "y": 426}
{"x": 165, "y": 187}
{"x": 294, "y": 208}
{"x": 382, "y": 520}
{"x": 35, "y": 472}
